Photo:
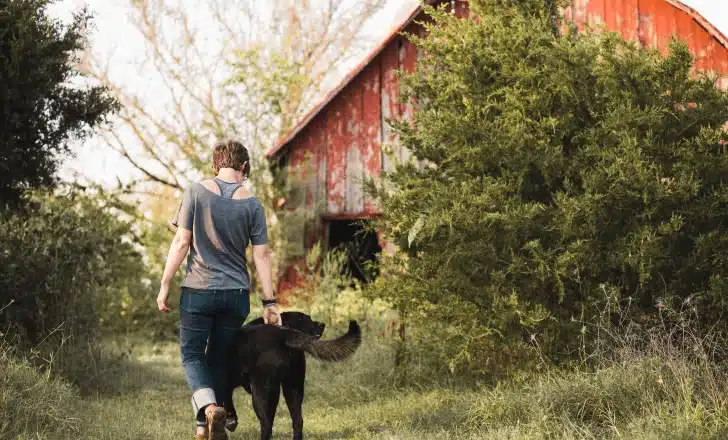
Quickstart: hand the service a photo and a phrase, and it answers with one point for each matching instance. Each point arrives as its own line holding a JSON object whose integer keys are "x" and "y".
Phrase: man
{"x": 216, "y": 221}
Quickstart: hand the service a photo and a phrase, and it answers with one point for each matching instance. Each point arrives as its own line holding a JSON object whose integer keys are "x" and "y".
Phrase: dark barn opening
{"x": 361, "y": 246}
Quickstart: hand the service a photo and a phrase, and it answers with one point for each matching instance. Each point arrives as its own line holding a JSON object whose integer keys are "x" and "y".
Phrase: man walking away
{"x": 216, "y": 221}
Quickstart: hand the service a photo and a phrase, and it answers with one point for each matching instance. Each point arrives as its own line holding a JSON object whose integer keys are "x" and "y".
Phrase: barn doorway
{"x": 361, "y": 246}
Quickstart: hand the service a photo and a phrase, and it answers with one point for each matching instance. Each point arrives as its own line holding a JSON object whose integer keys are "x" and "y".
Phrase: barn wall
{"x": 342, "y": 145}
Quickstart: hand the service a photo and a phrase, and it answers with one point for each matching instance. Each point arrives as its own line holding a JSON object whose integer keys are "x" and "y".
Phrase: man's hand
{"x": 271, "y": 315}
{"x": 162, "y": 298}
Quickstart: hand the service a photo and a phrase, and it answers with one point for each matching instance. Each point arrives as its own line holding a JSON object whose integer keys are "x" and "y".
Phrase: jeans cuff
{"x": 201, "y": 398}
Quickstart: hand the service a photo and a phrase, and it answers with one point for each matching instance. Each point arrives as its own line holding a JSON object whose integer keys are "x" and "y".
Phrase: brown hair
{"x": 230, "y": 154}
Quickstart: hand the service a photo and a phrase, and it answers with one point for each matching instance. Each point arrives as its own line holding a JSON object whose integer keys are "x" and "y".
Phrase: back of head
{"x": 231, "y": 154}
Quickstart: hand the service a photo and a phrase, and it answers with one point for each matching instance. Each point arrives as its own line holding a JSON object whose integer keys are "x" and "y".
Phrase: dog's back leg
{"x": 265, "y": 392}
{"x": 293, "y": 393}
{"x": 232, "y": 415}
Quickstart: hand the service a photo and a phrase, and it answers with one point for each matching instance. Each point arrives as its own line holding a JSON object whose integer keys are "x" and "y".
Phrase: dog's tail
{"x": 333, "y": 350}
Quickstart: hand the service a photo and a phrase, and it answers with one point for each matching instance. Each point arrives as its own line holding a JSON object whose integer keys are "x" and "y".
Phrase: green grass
{"x": 146, "y": 398}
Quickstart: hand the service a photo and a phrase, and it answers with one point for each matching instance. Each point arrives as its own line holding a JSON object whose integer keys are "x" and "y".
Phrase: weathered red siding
{"x": 336, "y": 152}
{"x": 371, "y": 133}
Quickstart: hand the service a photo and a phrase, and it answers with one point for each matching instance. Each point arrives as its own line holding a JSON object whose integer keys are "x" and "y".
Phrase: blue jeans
{"x": 208, "y": 321}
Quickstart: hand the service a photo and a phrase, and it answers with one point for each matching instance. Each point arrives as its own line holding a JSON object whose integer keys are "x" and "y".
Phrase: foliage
{"x": 133, "y": 312}
{"x": 63, "y": 262}
{"x": 330, "y": 294}
{"x": 232, "y": 85}
{"x": 555, "y": 171}
{"x": 666, "y": 380}
{"x": 43, "y": 109}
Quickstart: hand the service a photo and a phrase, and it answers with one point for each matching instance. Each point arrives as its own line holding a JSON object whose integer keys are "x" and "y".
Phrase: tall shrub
{"x": 64, "y": 262}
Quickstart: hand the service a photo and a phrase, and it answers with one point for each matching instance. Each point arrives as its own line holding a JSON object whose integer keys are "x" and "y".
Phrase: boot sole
{"x": 231, "y": 424}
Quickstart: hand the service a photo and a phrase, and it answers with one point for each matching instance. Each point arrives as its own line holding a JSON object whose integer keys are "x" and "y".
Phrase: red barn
{"x": 340, "y": 140}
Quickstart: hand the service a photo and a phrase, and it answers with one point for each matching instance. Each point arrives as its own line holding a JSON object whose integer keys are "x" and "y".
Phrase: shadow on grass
{"x": 115, "y": 375}
{"x": 254, "y": 433}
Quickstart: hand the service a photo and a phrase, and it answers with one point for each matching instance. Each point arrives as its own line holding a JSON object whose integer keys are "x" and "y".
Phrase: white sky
{"x": 715, "y": 11}
{"x": 116, "y": 35}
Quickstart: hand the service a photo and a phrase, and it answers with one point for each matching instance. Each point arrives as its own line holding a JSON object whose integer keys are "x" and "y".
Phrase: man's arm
{"x": 261, "y": 257}
{"x": 177, "y": 253}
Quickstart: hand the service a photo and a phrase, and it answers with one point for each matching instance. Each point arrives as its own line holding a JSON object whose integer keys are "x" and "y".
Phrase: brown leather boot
{"x": 216, "y": 423}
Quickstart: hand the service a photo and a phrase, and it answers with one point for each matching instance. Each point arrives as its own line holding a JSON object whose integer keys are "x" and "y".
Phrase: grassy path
{"x": 644, "y": 400}
{"x": 647, "y": 398}
{"x": 153, "y": 403}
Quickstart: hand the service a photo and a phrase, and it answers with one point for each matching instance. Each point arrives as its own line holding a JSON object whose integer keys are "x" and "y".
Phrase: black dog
{"x": 238, "y": 368}
{"x": 266, "y": 358}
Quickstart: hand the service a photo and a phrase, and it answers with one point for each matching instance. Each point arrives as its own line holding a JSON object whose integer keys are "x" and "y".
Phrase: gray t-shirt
{"x": 221, "y": 229}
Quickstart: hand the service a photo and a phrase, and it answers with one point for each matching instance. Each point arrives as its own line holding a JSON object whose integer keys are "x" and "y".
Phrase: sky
{"x": 116, "y": 39}
{"x": 715, "y": 11}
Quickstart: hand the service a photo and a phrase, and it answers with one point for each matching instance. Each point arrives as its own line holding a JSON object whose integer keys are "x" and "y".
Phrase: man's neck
{"x": 230, "y": 175}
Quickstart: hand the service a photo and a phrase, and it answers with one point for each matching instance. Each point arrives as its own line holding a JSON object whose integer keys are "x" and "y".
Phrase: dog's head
{"x": 303, "y": 323}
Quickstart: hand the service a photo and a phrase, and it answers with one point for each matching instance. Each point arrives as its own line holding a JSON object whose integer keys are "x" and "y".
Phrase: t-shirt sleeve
{"x": 185, "y": 214}
{"x": 258, "y": 227}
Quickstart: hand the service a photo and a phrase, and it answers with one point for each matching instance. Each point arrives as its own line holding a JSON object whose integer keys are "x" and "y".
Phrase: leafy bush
{"x": 551, "y": 168}
{"x": 331, "y": 295}
{"x": 62, "y": 261}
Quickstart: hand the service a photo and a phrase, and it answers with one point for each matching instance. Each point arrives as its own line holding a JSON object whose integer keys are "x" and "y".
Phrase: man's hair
{"x": 230, "y": 154}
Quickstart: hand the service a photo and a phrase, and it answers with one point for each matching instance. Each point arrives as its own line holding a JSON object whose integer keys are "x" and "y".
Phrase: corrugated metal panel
{"x": 371, "y": 142}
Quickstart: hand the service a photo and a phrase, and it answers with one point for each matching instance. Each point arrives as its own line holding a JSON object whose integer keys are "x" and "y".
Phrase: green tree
{"x": 43, "y": 111}
{"x": 556, "y": 172}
